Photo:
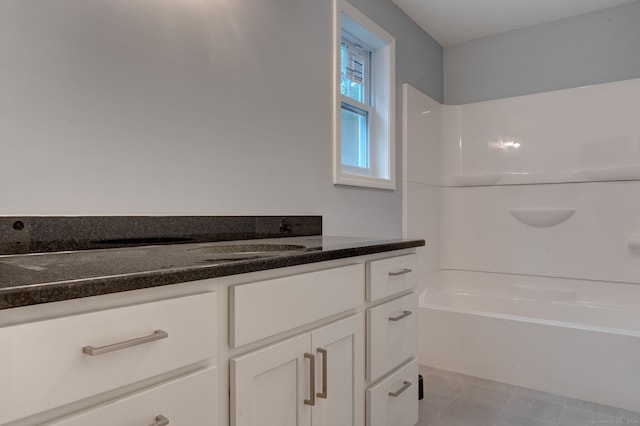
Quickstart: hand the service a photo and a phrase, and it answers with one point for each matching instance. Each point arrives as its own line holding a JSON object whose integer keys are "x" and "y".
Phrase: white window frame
{"x": 381, "y": 126}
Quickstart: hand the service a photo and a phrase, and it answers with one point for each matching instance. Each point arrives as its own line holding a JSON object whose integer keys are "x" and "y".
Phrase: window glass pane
{"x": 354, "y": 138}
{"x": 353, "y": 63}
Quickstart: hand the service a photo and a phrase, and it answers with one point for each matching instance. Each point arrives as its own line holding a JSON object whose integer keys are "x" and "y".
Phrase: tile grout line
{"x": 503, "y": 408}
{"x": 565, "y": 407}
{"x": 453, "y": 399}
{"x": 620, "y": 417}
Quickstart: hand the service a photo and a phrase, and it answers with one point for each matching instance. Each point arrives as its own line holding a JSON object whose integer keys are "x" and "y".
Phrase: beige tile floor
{"x": 452, "y": 399}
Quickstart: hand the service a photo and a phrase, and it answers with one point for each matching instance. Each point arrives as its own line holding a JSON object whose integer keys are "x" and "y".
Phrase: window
{"x": 355, "y": 107}
{"x": 364, "y": 94}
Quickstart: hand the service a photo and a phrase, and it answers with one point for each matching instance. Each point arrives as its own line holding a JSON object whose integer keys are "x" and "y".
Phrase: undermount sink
{"x": 248, "y": 250}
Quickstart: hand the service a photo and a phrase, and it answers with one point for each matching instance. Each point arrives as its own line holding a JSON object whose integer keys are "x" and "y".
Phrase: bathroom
{"x": 220, "y": 107}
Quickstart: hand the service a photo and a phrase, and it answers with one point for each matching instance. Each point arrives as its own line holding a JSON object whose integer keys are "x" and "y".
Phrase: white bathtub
{"x": 570, "y": 337}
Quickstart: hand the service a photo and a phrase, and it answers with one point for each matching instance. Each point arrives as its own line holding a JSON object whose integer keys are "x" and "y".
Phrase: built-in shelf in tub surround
{"x": 542, "y": 217}
{"x": 586, "y": 175}
{"x": 631, "y": 172}
{"x": 470, "y": 179}
{"x": 532, "y": 178}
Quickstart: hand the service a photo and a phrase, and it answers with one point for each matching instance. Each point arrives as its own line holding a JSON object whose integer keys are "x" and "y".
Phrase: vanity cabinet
{"x": 392, "y": 342}
{"x": 324, "y": 344}
{"x": 314, "y": 379}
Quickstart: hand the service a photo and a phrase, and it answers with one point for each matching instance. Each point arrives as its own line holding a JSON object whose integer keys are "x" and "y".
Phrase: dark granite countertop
{"x": 30, "y": 279}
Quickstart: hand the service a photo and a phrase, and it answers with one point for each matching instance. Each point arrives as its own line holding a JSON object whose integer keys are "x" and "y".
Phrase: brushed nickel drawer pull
{"x": 323, "y": 394}
{"x": 157, "y": 335}
{"x": 160, "y": 421}
{"x": 404, "y": 271}
{"x": 405, "y": 386}
{"x": 312, "y": 379}
{"x": 402, "y": 315}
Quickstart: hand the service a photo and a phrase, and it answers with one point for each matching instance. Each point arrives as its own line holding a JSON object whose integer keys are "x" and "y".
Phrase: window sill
{"x": 364, "y": 181}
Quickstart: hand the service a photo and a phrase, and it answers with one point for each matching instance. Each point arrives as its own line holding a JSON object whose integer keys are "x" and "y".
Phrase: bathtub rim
{"x": 529, "y": 319}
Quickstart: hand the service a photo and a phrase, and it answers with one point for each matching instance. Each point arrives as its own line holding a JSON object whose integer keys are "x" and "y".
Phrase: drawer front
{"x": 394, "y": 401}
{"x": 44, "y": 365}
{"x": 392, "y": 330}
{"x": 266, "y": 308}
{"x": 387, "y": 277}
{"x": 188, "y": 400}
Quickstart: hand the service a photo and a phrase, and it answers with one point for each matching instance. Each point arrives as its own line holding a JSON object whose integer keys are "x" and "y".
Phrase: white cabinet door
{"x": 339, "y": 351}
{"x": 273, "y": 387}
{"x": 269, "y": 386}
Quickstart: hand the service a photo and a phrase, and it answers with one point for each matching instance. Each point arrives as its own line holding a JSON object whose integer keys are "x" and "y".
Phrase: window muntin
{"x": 355, "y": 69}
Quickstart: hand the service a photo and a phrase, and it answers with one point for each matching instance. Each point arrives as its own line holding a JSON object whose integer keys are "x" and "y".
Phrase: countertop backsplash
{"x": 34, "y": 234}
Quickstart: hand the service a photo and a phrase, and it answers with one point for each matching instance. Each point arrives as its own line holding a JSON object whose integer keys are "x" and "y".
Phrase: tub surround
{"x": 29, "y": 279}
{"x": 535, "y": 223}
{"x": 586, "y": 134}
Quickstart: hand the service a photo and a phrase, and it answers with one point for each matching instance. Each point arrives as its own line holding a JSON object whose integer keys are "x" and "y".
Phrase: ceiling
{"x": 456, "y": 21}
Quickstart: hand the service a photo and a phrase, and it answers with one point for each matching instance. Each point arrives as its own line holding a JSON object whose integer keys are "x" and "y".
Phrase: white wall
{"x": 175, "y": 107}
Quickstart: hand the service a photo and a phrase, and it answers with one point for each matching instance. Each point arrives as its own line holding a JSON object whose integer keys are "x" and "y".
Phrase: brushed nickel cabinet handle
{"x": 160, "y": 421}
{"x": 405, "y": 386}
{"x": 157, "y": 335}
{"x": 399, "y": 317}
{"x": 312, "y": 379}
{"x": 324, "y": 353}
{"x": 404, "y": 271}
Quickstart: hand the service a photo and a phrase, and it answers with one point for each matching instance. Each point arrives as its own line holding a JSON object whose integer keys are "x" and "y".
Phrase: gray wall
{"x": 186, "y": 107}
{"x": 418, "y": 56}
{"x": 593, "y": 48}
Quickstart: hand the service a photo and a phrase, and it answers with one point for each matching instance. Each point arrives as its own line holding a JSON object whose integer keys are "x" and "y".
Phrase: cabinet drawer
{"x": 394, "y": 401}
{"x": 392, "y": 330}
{"x": 44, "y": 365}
{"x": 387, "y": 277}
{"x": 266, "y": 308}
{"x": 188, "y": 400}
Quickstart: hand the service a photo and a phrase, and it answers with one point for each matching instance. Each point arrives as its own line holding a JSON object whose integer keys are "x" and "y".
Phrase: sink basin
{"x": 248, "y": 250}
